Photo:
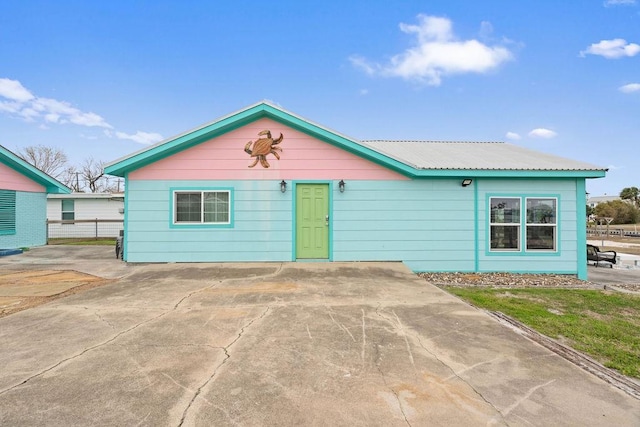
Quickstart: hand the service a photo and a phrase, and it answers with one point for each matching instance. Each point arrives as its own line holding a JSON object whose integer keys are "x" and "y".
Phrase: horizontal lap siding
{"x": 301, "y": 157}
{"x": 261, "y": 225}
{"x": 428, "y": 224}
{"x": 31, "y": 221}
{"x": 11, "y": 179}
{"x": 407, "y": 221}
{"x": 565, "y": 260}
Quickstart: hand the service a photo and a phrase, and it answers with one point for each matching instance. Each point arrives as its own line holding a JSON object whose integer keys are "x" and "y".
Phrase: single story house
{"x": 79, "y": 215}
{"x": 23, "y": 201}
{"x": 264, "y": 184}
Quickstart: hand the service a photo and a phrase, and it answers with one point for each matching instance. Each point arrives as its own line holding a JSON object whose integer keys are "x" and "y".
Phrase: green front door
{"x": 312, "y": 221}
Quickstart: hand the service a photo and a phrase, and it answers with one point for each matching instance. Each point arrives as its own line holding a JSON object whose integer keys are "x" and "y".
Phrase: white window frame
{"x": 72, "y": 212}
{"x": 553, "y": 225}
{"x": 517, "y": 225}
{"x": 202, "y": 207}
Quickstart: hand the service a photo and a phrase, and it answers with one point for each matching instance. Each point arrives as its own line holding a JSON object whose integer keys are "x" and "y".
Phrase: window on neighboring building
{"x": 7, "y": 212}
{"x": 505, "y": 223}
{"x": 68, "y": 210}
{"x": 202, "y": 207}
{"x": 541, "y": 224}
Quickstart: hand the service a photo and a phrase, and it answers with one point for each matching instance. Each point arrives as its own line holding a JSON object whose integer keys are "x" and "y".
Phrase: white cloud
{"x": 361, "y": 62}
{"x": 512, "y": 135}
{"x": 612, "y": 49}
{"x": 437, "y": 53}
{"x": 486, "y": 29}
{"x": 631, "y": 87}
{"x": 141, "y": 137}
{"x": 13, "y": 90}
{"x": 21, "y": 103}
{"x": 542, "y": 133}
{"x": 608, "y": 3}
{"x": 364, "y": 92}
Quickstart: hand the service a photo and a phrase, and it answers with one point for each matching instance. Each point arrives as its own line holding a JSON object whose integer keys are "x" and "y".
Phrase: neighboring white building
{"x": 93, "y": 215}
{"x": 592, "y": 202}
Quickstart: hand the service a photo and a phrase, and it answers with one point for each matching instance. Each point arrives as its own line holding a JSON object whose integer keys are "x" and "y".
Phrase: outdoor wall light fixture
{"x": 341, "y": 185}
{"x": 466, "y": 182}
{"x": 283, "y": 186}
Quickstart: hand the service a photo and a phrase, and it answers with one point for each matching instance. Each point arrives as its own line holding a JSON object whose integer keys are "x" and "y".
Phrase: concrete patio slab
{"x": 285, "y": 344}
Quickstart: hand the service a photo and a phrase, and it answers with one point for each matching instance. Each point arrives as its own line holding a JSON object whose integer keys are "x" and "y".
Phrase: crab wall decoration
{"x": 262, "y": 147}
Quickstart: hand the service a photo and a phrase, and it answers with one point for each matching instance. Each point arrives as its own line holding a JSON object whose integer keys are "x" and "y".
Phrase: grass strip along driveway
{"x": 602, "y": 324}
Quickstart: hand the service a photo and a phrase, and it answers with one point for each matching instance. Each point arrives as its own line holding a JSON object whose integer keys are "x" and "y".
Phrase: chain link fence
{"x": 62, "y": 231}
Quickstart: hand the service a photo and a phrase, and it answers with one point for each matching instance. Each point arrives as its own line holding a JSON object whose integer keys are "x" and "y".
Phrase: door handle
{"x": 326, "y": 218}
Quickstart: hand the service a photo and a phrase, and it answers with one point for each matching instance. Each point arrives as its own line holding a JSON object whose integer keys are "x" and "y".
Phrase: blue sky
{"x": 102, "y": 79}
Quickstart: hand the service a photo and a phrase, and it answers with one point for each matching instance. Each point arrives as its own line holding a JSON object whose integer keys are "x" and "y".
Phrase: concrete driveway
{"x": 280, "y": 344}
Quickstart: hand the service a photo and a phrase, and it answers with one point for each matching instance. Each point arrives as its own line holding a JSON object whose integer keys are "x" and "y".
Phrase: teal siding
{"x": 31, "y": 222}
{"x": 261, "y": 229}
{"x": 429, "y": 224}
{"x": 565, "y": 260}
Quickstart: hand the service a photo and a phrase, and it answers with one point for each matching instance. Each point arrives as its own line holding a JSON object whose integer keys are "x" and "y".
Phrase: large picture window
{"x": 541, "y": 224}
{"x": 505, "y": 223}
{"x": 202, "y": 207}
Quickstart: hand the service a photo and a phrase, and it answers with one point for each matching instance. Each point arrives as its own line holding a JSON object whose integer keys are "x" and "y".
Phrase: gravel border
{"x": 511, "y": 280}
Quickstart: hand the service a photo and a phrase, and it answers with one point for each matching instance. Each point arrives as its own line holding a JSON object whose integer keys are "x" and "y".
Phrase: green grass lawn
{"x": 92, "y": 242}
{"x": 602, "y": 324}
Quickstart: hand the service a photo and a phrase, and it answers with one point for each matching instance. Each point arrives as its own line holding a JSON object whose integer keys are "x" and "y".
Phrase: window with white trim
{"x": 541, "y": 227}
{"x": 202, "y": 207}
{"x": 505, "y": 223}
{"x": 68, "y": 210}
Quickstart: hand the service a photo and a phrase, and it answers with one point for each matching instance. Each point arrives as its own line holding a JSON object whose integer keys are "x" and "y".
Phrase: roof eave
{"x": 511, "y": 173}
{"x": 235, "y": 120}
{"x": 51, "y": 185}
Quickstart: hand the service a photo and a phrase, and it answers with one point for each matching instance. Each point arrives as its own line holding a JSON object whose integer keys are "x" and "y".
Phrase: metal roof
{"x": 445, "y": 155}
{"x": 76, "y": 195}
{"x": 410, "y": 158}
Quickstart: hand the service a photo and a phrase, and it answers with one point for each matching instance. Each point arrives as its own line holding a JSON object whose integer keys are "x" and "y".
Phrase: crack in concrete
{"x": 116, "y": 336}
{"x": 456, "y": 375}
{"x": 219, "y": 282}
{"x": 384, "y": 380}
{"x": 86, "y": 350}
{"x": 435, "y": 356}
{"x": 102, "y": 319}
{"x": 215, "y": 370}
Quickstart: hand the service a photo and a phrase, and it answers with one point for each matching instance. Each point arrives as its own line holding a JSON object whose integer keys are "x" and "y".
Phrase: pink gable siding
{"x": 13, "y": 180}
{"x": 302, "y": 157}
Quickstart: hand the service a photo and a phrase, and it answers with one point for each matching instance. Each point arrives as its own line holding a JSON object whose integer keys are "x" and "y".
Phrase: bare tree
{"x": 92, "y": 172}
{"x": 51, "y": 161}
{"x": 71, "y": 178}
{"x": 88, "y": 177}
